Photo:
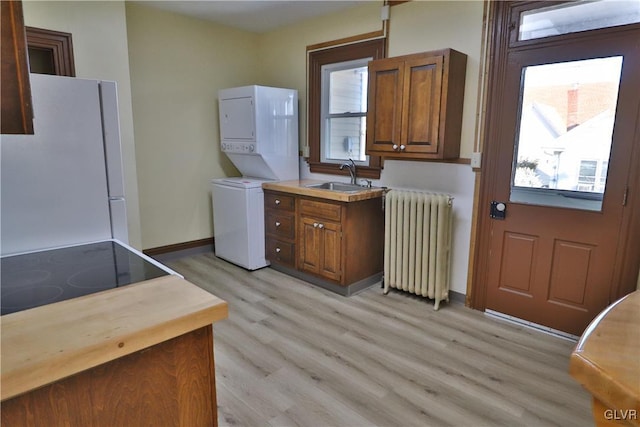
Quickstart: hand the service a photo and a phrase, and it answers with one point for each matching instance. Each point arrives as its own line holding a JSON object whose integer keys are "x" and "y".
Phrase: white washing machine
{"x": 238, "y": 221}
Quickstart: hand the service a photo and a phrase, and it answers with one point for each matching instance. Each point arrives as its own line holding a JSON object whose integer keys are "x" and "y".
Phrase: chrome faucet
{"x": 352, "y": 170}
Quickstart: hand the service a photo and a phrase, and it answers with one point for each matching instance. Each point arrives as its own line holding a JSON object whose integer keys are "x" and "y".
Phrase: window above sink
{"x": 338, "y": 78}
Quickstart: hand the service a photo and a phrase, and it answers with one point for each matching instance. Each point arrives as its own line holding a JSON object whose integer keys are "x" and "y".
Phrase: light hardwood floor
{"x": 292, "y": 354}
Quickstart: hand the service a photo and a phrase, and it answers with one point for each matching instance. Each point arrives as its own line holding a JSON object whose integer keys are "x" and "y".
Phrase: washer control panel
{"x": 238, "y": 147}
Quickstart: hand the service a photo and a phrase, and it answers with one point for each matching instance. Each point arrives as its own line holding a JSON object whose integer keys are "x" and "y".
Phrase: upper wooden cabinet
{"x": 17, "y": 110}
{"x": 415, "y": 105}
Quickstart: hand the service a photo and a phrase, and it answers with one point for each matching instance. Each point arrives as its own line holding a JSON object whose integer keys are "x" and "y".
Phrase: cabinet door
{"x": 310, "y": 248}
{"x": 331, "y": 260}
{"x": 321, "y": 248}
{"x": 422, "y": 94}
{"x": 237, "y": 119}
{"x": 16, "y": 115}
{"x": 384, "y": 114}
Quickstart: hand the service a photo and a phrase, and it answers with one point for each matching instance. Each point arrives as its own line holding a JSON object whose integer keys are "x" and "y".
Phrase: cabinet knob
{"x": 277, "y": 223}
{"x": 278, "y": 250}
{"x": 402, "y": 147}
{"x": 277, "y": 201}
{"x": 395, "y": 146}
{"x": 320, "y": 225}
{"x": 315, "y": 225}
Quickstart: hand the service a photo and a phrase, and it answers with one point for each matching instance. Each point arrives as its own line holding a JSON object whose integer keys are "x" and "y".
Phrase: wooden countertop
{"x": 606, "y": 360}
{"x": 299, "y": 187}
{"x": 48, "y": 343}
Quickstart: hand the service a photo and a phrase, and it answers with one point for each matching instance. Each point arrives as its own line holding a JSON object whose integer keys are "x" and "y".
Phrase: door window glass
{"x": 567, "y": 114}
{"x": 572, "y": 17}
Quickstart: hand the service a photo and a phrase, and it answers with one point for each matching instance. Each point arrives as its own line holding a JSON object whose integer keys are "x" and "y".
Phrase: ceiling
{"x": 255, "y": 16}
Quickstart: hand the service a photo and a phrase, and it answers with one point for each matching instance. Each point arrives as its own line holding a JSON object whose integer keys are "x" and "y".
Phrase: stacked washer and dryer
{"x": 259, "y": 134}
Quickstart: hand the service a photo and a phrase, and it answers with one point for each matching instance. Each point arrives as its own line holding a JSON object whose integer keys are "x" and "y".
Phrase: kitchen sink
{"x": 337, "y": 186}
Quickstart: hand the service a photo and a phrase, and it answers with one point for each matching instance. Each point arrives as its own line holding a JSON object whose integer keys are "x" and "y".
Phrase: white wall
{"x": 178, "y": 64}
{"x": 99, "y": 35}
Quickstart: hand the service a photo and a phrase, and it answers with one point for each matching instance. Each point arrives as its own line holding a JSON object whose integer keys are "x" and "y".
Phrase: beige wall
{"x": 100, "y": 48}
{"x": 178, "y": 64}
{"x": 429, "y": 25}
{"x": 414, "y": 27}
{"x": 283, "y": 53}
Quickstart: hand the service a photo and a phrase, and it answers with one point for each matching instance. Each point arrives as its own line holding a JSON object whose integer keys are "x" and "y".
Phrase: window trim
{"x": 375, "y": 49}
{"x": 60, "y": 46}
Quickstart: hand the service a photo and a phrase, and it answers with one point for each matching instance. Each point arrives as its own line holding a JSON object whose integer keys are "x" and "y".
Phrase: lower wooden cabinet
{"x": 169, "y": 384}
{"x": 280, "y": 228}
{"x": 321, "y": 247}
{"x": 340, "y": 243}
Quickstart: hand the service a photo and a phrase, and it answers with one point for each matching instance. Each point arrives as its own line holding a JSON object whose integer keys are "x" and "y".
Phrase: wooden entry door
{"x": 553, "y": 240}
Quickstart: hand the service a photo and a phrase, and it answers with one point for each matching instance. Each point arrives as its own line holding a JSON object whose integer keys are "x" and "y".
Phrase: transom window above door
{"x": 576, "y": 16}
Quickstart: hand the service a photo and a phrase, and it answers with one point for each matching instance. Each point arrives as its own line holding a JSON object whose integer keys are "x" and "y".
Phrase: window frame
{"x": 325, "y": 114}
{"x": 57, "y": 45}
{"x": 375, "y": 49}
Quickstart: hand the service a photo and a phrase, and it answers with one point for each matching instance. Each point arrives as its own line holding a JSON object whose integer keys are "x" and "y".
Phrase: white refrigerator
{"x": 64, "y": 184}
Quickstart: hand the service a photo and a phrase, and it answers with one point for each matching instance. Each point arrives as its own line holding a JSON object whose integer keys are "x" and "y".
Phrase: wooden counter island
{"x": 136, "y": 355}
{"x": 606, "y": 362}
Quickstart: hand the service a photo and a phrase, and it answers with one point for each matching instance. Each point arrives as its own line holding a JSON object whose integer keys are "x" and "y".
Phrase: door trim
{"x": 628, "y": 259}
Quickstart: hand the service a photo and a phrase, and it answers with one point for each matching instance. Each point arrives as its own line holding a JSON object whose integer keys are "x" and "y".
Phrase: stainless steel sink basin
{"x": 337, "y": 186}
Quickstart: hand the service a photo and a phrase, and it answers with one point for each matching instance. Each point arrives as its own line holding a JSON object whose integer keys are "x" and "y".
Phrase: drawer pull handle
{"x": 277, "y": 201}
{"x": 320, "y": 225}
{"x": 278, "y": 250}
{"x": 277, "y": 223}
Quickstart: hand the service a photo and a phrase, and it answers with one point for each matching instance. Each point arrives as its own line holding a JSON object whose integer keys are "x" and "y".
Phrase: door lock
{"x": 498, "y": 210}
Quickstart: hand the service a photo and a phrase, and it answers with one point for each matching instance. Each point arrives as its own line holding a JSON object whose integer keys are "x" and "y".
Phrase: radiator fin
{"x": 417, "y": 247}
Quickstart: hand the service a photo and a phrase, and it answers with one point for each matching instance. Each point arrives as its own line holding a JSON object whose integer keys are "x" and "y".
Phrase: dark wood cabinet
{"x": 280, "y": 228}
{"x": 321, "y": 238}
{"x": 415, "y": 105}
{"x": 334, "y": 244}
{"x": 17, "y": 110}
{"x": 169, "y": 384}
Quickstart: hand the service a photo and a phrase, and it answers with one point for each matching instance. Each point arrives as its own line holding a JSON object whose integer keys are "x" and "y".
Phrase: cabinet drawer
{"x": 280, "y": 252}
{"x": 280, "y": 224}
{"x": 319, "y": 209}
{"x": 279, "y": 202}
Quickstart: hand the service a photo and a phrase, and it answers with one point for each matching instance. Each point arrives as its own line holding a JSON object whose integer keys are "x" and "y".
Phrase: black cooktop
{"x": 39, "y": 278}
